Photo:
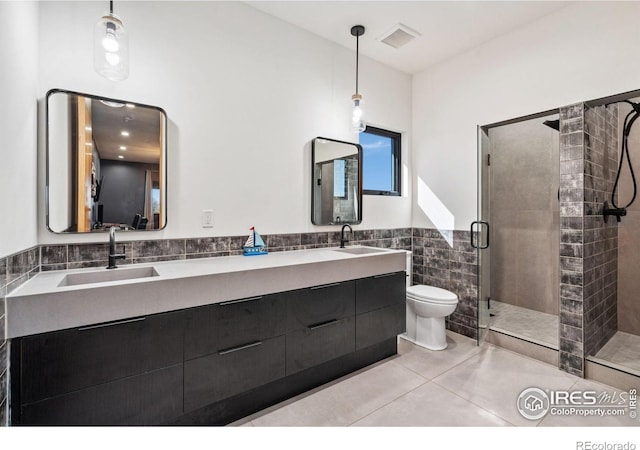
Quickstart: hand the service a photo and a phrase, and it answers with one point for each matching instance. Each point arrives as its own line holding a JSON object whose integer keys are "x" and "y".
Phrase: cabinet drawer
{"x": 148, "y": 399}
{"x": 60, "y": 362}
{"x": 310, "y": 346}
{"x": 379, "y": 325}
{"x": 309, "y": 307}
{"x": 380, "y": 291}
{"x": 199, "y": 332}
{"x": 221, "y": 375}
{"x": 249, "y": 320}
{"x": 229, "y": 324}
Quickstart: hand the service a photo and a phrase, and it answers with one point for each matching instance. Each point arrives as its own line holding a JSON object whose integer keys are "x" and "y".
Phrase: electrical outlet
{"x": 207, "y": 218}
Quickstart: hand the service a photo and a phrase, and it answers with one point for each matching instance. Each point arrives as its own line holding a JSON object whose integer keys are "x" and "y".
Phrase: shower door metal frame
{"x": 483, "y": 251}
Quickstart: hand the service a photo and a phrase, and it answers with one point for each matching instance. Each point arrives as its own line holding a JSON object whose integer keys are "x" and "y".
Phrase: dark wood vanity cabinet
{"x": 380, "y": 308}
{"x": 117, "y": 373}
{"x": 207, "y": 364}
{"x": 320, "y": 324}
{"x": 233, "y": 346}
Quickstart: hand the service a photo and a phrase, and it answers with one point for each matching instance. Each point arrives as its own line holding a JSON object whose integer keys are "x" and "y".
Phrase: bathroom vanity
{"x": 201, "y": 341}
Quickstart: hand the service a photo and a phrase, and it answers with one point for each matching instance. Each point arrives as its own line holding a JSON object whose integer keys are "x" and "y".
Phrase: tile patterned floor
{"x": 622, "y": 349}
{"x": 465, "y": 385}
{"x": 621, "y": 352}
{"x": 535, "y": 326}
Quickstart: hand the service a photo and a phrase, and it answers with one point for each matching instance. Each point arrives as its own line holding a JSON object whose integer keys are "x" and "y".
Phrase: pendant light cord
{"x": 357, "y": 59}
{"x": 110, "y": 6}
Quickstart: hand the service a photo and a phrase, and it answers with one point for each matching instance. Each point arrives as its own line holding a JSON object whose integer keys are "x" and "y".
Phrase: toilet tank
{"x": 409, "y": 267}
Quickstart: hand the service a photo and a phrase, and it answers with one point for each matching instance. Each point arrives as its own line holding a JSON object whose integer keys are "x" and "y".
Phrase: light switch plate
{"x": 207, "y": 218}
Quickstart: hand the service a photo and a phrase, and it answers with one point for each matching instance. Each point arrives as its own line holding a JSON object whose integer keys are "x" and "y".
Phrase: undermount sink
{"x": 359, "y": 250}
{"x": 75, "y": 279}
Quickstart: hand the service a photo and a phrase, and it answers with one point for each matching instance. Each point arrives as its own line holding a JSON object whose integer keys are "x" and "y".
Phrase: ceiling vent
{"x": 399, "y": 36}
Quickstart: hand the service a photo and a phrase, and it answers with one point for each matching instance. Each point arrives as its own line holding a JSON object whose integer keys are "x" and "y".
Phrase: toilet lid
{"x": 431, "y": 293}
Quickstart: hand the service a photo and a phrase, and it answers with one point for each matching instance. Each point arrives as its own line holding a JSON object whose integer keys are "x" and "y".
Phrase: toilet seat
{"x": 431, "y": 294}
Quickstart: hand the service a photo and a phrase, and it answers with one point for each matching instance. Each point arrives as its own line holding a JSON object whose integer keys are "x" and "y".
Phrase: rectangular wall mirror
{"x": 106, "y": 164}
{"x": 336, "y": 191}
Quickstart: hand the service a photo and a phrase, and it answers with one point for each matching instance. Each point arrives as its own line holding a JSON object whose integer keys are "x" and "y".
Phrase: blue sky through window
{"x": 377, "y": 167}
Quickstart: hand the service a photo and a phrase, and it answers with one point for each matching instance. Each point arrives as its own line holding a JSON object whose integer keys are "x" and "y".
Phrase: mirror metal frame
{"x": 47, "y": 149}
{"x": 360, "y": 192}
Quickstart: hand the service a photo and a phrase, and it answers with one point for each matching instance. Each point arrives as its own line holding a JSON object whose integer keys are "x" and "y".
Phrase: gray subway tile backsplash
{"x": 3, "y": 273}
{"x": 314, "y": 238}
{"x": 22, "y": 263}
{"x": 156, "y": 248}
{"x": 201, "y": 245}
{"x": 53, "y": 254}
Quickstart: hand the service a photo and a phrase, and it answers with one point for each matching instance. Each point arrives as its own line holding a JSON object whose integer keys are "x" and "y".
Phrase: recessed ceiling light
{"x": 120, "y": 157}
{"x": 122, "y": 147}
{"x": 130, "y": 105}
{"x": 124, "y": 133}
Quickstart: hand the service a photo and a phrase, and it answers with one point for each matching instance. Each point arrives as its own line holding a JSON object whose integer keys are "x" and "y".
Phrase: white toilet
{"x": 427, "y": 306}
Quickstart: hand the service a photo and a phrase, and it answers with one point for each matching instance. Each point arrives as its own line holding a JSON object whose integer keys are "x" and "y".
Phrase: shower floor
{"x": 623, "y": 349}
{"x": 534, "y": 326}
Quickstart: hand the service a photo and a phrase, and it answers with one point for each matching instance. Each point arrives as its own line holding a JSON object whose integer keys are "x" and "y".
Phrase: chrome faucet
{"x": 342, "y": 239}
{"x": 112, "y": 249}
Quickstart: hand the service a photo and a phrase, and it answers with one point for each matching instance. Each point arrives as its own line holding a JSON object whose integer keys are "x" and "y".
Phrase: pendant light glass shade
{"x": 358, "y": 123}
{"x": 111, "y": 48}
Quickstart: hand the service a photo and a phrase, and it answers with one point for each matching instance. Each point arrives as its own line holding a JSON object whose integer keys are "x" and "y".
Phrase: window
{"x": 339, "y": 178}
{"x": 381, "y": 161}
{"x": 155, "y": 195}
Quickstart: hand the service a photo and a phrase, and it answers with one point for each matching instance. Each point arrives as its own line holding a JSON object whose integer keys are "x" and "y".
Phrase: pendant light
{"x": 111, "y": 47}
{"x": 358, "y": 123}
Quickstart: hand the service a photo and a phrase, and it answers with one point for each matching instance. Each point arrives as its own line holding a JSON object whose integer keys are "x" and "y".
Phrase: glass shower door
{"x": 480, "y": 235}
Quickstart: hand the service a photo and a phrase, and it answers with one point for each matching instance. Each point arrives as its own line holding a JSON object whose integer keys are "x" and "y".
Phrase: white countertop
{"x": 41, "y": 305}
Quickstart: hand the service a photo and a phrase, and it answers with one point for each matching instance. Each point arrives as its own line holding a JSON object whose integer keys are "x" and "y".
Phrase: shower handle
{"x": 473, "y": 243}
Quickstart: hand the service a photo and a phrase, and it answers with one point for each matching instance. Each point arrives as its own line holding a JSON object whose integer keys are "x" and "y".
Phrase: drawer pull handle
{"x": 109, "y": 324}
{"x": 323, "y": 324}
{"x": 384, "y": 275}
{"x": 237, "y": 349}
{"x": 233, "y": 302}
{"x": 325, "y": 286}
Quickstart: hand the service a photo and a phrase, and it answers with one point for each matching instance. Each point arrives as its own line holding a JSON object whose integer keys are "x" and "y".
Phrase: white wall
{"x": 584, "y": 51}
{"x": 245, "y": 94}
{"x": 18, "y": 82}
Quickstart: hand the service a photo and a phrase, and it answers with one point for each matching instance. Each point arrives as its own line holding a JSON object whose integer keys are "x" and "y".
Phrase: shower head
{"x": 555, "y": 124}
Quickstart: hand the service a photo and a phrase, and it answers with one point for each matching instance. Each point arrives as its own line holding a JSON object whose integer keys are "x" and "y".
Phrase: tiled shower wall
{"x": 588, "y": 247}
{"x": 14, "y": 270}
{"x": 600, "y": 263}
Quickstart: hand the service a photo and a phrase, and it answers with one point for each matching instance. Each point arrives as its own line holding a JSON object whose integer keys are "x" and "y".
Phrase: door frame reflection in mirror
{"x": 72, "y": 127}
{"x": 349, "y": 195}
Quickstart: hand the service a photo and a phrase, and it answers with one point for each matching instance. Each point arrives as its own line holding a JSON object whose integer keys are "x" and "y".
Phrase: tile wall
{"x": 446, "y": 259}
{"x": 588, "y": 247}
{"x": 71, "y": 256}
{"x": 14, "y": 270}
{"x": 628, "y": 233}
{"x": 600, "y": 263}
